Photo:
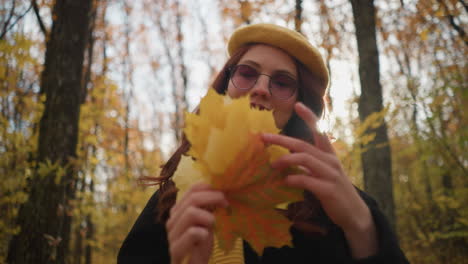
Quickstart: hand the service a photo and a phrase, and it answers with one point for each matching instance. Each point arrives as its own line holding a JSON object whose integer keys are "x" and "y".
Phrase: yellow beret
{"x": 292, "y": 42}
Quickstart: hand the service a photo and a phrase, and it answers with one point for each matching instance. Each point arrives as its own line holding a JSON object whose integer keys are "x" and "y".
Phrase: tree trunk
{"x": 78, "y": 252}
{"x": 180, "y": 53}
{"x": 89, "y": 235}
{"x": 128, "y": 87}
{"x": 376, "y": 160}
{"x": 45, "y": 219}
{"x": 176, "y": 124}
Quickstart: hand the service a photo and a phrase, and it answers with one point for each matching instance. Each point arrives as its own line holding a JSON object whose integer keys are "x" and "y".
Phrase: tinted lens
{"x": 244, "y": 76}
{"x": 283, "y": 86}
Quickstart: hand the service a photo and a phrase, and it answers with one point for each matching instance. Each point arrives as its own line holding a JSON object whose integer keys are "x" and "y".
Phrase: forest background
{"x": 143, "y": 63}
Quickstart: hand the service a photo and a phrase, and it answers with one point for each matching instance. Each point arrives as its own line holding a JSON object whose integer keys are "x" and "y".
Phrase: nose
{"x": 261, "y": 86}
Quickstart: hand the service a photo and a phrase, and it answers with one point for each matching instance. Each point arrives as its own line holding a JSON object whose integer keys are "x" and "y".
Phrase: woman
{"x": 336, "y": 223}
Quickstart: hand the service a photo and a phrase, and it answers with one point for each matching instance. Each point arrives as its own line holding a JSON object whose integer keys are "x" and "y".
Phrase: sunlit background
{"x": 149, "y": 58}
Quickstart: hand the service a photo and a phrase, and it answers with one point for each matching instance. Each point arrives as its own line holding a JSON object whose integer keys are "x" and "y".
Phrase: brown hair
{"x": 301, "y": 213}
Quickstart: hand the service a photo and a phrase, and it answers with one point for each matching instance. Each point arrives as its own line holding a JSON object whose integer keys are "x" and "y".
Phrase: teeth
{"x": 259, "y": 107}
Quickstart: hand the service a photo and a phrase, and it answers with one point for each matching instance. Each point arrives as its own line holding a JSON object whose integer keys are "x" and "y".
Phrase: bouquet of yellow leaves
{"x": 228, "y": 153}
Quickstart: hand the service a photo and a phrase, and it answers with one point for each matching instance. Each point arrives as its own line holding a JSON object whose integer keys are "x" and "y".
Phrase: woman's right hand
{"x": 191, "y": 222}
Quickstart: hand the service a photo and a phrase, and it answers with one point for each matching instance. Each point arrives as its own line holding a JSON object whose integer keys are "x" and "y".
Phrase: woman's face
{"x": 271, "y": 61}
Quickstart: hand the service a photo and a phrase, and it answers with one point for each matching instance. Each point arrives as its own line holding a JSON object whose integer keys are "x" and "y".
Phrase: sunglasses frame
{"x": 233, "y": 69}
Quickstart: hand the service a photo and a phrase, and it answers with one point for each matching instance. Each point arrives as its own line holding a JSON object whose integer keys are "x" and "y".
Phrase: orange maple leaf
{"x": 230, "y": 155}
{"x": 253, "y": 190}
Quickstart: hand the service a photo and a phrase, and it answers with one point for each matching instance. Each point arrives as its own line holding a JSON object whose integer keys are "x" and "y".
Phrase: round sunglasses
{"x": 281, "y": 85}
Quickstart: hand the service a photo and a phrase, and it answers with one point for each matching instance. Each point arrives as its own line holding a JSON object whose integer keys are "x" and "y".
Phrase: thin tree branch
{"x": 451, "y": 19}
{"x": 172, "y": 65}
{"x": 442, "y": 142}
{"x": 14, "y": 23}
{"x": 245, "y": 17}
{"x": 298, "y": 16}
{"x": 38, "y": 16}
{"x": 464, "y": 5}
{"x": 180, "y": 51}
{"x": 206, "y": 42}
{"x": 12, "y": 12}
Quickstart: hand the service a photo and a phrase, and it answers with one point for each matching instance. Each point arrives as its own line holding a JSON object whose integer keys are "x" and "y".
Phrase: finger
{"x": 297, "y": 145}
{"x": 202, "y": 199}
{"x": 207, "y": 198}
{"x": 321, "y": 140}
{"x": 315, "y": 166}
{"x": 187, "y": 241}
{"x": 196, "y": 187}
{"x": 307, "y": 115}
{"x": 193, "y": 216}
{"x": 317, "y": 186}
{"x": 293, "y": 144}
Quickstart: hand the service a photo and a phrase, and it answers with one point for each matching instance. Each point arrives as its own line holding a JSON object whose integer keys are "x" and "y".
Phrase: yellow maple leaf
{"x": 184, "y": 169}
{"x": 230, "y": 155}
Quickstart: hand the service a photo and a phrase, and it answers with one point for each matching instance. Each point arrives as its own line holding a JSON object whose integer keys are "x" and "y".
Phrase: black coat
{"x": 147, "y": 243}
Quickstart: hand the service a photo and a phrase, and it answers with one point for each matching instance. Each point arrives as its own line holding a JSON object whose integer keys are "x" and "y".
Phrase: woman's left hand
{"x": 324, "y": 176}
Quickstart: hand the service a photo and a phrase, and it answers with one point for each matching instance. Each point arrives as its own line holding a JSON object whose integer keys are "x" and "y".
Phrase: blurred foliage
{"x": 19, "y": 113}
{"x": 432, "y": 184}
